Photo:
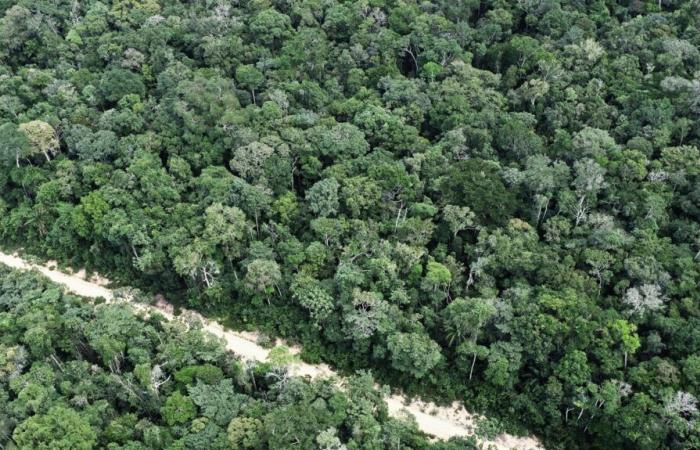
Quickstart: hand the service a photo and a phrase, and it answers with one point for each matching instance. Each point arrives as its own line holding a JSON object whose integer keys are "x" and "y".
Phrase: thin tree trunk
{"x": 581, "y": 210}
{"x": 398, "y": 217}
{"x": 476, "y": 337}
{"x": 471, "y": 371}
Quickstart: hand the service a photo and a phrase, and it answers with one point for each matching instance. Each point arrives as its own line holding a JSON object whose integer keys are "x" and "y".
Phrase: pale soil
{"x": 438, "y": 421}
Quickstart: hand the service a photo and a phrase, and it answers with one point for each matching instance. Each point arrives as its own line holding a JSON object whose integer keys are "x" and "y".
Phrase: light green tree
{"x": 414, "y": 353}
{"x": 42, "y": 138}
{"x": 61, "y": 428}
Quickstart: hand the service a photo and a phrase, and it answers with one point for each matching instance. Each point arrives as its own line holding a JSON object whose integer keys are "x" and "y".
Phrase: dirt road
{"x": 438, "y": 421}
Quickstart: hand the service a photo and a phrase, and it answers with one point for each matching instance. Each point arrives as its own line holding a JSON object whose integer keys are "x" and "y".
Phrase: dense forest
{"x": 77, "y": 377}
{"x": 491, "y": 201}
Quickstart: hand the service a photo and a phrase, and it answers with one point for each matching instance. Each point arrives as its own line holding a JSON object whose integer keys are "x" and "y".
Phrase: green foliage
{"x": 313, "y": 297}
{"x": 41, "y": 136}
{"x": 322, "y": 198}
{"x": 116, "y": 83}
{"x": 414, "y": 353}
{"x": 206, "y": 373}
{"x": 61, "y": 428}
{"x": 146, "y": 397}
{"x": 178, "y": 408}
{"x": 517, "y": 182}
{"x": 437, "y": 275}
{"x": 477, "y": 185}
{"x": 244, "y": 433}
{"x": 250, "y": 78}
{"x": 262, "y": 276}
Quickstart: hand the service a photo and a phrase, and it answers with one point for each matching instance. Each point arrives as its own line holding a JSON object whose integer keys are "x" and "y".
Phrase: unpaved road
{"x": 438, "y": 421}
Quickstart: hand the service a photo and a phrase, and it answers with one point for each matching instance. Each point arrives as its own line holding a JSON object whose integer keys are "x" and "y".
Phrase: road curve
{"x": 438, "y": 421}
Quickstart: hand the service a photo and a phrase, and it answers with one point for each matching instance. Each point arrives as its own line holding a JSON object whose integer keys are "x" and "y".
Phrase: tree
{"x": 263, "y": 277}
{"x": 516, "y": 138}
{"x": 626, "y": 333}
{"x": 458, "y": 218}
{"x": 590, "y": 179}
{"x": 476, "y": 184}
{"x": 178, "y": 409}
{"x": 341, "y": 141}
{"x": 431, "y": 70}
{"x": 117, "y": 83}
{"x": 532, "y": 90}
{"x": 438, "y": 277}
{"x": 414, "y": 353}
{"x": 313, "y": 297}
{"x": 227, "y": 227}
{"x": 322, "y": 197}
{"x": 600, "y": 261}
{"x": 504, "y": 360}
{"x": 253, "y": 200}
{"x": 388, "y": 130}
{"x": 42, "y": 138}
{"x": 97, "y": 146}
{"x": 593, "y": 142}
{"x": 249, "y": 77}
{"x": 61, "y": 428}
{"x": 691, "y": 369}
{"x": 679, "y": 85}
{"x": 463, "y": 318}
{"x": 218, "y": 402}
{"x": 262, "y": 165}
{"x": 14, "y": 360}
{"x": 541, "y": 178}
{"x": 682, "y": 406}
{"x": 196, "y": 262}
{"x": 269, "y": 26}
{"x": 134, "y": 11}
{"x": 328, "y": 440}
{"x": 573, "y": 368}
{"x": 369, "y": 313}
{"x": 245, "y": 433}
{"x": 14, "y": 145}
{"x": 27, "y": 36}
{"x": 249, "y": 162}
{"x": 643, "y": 299}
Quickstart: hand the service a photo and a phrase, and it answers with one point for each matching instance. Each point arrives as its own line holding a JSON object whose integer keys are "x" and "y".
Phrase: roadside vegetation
{"x": 78, "y": 376}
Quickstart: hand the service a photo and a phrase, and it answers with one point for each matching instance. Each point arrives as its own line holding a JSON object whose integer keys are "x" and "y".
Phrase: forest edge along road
{"x": 438, "y": 421}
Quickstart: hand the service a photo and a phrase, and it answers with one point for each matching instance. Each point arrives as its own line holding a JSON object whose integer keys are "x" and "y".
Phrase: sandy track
{"x": 438, "y": 421}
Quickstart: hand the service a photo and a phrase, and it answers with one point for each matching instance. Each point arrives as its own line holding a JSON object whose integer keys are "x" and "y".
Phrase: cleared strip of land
{"x": 438, "y": 421}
